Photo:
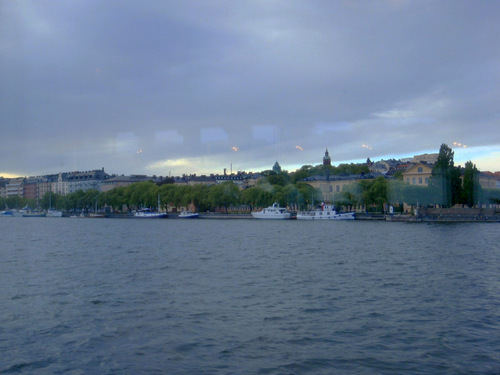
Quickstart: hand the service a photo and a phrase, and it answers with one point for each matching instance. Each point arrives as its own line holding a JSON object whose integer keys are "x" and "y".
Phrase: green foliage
{"x": 490, "y": 196}
{"x": 471, "y": 188}
{"x": 256, "y": 197}
{"x": 322, "y": 170}
{"x": 300, "y": 174}
{"x": 16, "y": 202}
{"x": 351, "y": 169}
{"x": 51, "y": 200}
{"x": 351, "y": 195}
{"x": 143, "y": 194}
{"x": 445, "y": 182}
{"x": 398, "y": 175}
{"x": 281, "y": 179}
{"x": 224, "y": 195}
{"x": 285, "y": 188}
{"x": 374, "y": 192}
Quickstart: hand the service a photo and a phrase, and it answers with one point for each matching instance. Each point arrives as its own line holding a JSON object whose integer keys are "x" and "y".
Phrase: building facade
{"x": 418, "y": 174}
{"x": 332, "y": 186}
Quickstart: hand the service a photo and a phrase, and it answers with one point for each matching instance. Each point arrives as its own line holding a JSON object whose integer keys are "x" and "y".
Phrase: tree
{"x": 445, "y": 180}
{"x": 471, "y": 187}
{"x": 50, "y": 199}
{"x": 224, "y": 195}
{"x": 350, "y": 196}
{"x": 300, "y": 174}
{"x": 280, "y": 179}
{"x": 374, "y": 192}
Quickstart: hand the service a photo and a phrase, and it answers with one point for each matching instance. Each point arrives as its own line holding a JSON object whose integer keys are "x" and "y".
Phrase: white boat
{"x": 325, "y": 212}
{"x": 272, "y": 212}
{"x": 147, "y": 213}
{"x": 52, "y": 212}
{"x": 188, "y": 215}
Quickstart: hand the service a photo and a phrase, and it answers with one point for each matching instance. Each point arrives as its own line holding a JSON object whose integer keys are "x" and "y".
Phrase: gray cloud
{"x": 89, "y": 84}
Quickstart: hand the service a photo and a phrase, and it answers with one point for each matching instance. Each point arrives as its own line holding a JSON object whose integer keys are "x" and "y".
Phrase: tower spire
{"x": 326, "y": 159}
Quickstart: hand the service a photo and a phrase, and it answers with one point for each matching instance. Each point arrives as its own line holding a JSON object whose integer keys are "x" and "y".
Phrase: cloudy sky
{"x": 173, "y": 87}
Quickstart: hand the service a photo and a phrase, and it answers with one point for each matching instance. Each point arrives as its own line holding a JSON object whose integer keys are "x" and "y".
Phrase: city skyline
{"x": 176, "y": 88}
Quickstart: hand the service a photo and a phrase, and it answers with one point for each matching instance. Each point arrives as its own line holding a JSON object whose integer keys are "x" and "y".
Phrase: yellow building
{"x": 418, "y": 174}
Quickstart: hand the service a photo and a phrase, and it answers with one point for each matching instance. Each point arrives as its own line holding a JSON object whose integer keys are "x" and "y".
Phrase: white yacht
{"x": 325, "y": 212}
{"x": 272, "y": 212}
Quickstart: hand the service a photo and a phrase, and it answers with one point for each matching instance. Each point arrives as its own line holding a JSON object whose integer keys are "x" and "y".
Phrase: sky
{"x": 195, "y": 87}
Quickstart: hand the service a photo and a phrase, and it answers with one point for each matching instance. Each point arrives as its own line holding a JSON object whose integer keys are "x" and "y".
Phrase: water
{"x": 110, "y": 296}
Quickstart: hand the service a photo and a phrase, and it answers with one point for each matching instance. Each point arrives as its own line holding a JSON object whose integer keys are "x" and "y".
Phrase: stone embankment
{"x": 450, "y": 215}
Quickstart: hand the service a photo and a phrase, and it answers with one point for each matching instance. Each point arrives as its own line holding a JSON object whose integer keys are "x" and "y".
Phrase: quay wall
{"x": 450, "y": 215}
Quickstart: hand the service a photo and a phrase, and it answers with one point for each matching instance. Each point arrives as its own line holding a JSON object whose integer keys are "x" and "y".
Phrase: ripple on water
{"x": 247, "y": 297}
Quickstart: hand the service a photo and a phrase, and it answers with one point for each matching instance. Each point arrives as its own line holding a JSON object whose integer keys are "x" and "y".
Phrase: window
{"x": 420, "y": 180}
{"x": 414, "y": 181}
{"x": 338, "y": 188}
{"x": 420, "y": 169}
{"x": 426, "y": 180}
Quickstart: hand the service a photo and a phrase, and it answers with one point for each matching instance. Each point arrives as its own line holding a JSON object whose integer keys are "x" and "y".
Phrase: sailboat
{"x": 52, "y": 212}
{"x": 96, "y": 214}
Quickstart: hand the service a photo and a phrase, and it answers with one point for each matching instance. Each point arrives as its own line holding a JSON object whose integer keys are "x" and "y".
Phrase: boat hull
{"x": 189, "y": 215}
{"x": 54, "y": 213}
{"x": 325, "y": 212}
{"x": 150, "y": 216}
{"x": 267, "y": 217}
{"x": 274, "y": 212}
{"x": 35, "y": 214}
{"x": 315, "y": 216}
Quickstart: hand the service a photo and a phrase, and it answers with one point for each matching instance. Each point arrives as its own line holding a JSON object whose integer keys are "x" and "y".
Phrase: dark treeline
{"x": 446, "y": 188}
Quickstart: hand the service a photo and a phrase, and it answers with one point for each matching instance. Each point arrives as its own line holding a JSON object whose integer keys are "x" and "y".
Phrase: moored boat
{"x": 188, "y": 215}
{"x": 34, "y": 214}
{"x": 54, "y": 213}
{"x": 7, "y": 213}
{"x": 272, "y": 212}
{"x": 149, "y": 214}
{"x": 325, "y": 212}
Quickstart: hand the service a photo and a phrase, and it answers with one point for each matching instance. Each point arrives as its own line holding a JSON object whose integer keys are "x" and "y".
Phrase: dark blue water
{"x": 110, "y": 296}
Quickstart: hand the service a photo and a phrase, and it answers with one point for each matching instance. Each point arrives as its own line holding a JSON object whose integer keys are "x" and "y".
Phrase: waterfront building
{"x": 487, "y": 181}
{"x": 14, "y": 187}
{"x": 202, "y": 180}
{"x": 427, "y": 158}
{"x": 60, "y": 185}
{"x": 118, "y": 181}
{"x": 418, "y": 174}
{"x": 331, "y": 186}
{"x": 30, "y": 188}
{"x": 86, "y": 180}
{"x": 3, "y": 191}
{"x": 234, "y": 178}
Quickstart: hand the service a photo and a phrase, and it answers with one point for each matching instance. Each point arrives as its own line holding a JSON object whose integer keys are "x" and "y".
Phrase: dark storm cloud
{"x": 158, "y": 86}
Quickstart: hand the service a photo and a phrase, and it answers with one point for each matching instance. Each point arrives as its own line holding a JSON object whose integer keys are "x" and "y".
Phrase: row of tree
{"x": 446, "y": 188}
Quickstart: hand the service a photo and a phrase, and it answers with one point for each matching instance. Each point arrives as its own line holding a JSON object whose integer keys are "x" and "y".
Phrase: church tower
{"x": 326, "y": 159}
